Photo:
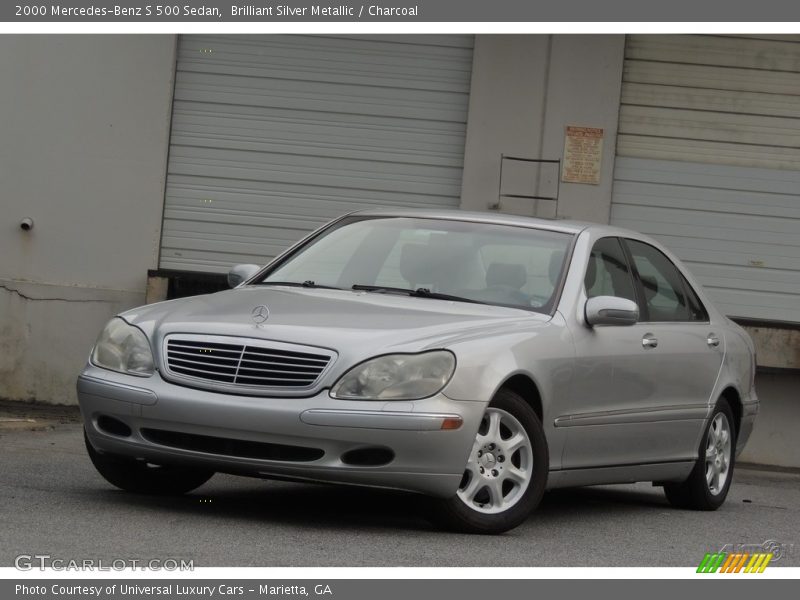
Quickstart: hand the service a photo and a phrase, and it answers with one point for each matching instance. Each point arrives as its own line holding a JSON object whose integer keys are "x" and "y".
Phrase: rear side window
{"x": 667, "y": 294}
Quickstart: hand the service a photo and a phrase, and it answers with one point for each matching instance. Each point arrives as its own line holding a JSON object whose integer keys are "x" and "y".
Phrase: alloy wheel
{"x": 500, "y": 465}
{"x": 718, "y": 454}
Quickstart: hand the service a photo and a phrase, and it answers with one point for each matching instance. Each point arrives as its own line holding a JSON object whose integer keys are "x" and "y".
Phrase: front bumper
{"x": 424, "y": 457}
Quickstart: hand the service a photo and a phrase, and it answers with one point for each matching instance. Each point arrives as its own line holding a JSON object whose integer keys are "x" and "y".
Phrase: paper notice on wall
{"x": 583, "y": 153}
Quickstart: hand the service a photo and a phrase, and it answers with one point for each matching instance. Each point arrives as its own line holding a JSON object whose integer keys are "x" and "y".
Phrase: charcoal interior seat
{"x": 651, "y": 289}
{"x": 416, "y": 265}
{"x": 436, "y": 266}
{"x": 650, "y": 285}
{"x": 504, "y": 282}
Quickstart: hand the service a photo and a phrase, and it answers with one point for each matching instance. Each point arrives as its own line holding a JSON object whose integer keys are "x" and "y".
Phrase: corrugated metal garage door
{"x": 709, "y": 163}
{"x": 273, "y": 136}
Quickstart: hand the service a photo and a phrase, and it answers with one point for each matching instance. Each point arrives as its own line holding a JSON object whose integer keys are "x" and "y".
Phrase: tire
{"x": 512, "y": 480}
{"x": 140, "y": 477}
{"x": 707, "y": 486}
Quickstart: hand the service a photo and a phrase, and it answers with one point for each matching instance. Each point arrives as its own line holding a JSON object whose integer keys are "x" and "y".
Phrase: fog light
{"x": 113, "y": 426}
{"x": 368, "y": 457}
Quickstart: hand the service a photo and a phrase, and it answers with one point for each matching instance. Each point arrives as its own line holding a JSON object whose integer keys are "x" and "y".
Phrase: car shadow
{"x": 321, "y": 506}
{"x": 305, "y": 505}
{"x": 608, "y": 498}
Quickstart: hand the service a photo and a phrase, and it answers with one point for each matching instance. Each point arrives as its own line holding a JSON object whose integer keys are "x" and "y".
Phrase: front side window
{"x": 480, "y": 262}
{"x": 607, "y": 273}
{"x": 667, "y": 295}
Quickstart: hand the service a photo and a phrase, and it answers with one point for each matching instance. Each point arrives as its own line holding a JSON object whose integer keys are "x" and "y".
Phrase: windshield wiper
{"x": 306, "y": 284}
{"x": 417, "y": 293}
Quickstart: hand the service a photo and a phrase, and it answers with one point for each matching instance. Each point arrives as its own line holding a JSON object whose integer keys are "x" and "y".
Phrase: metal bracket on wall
{"x": 536, "y": 198}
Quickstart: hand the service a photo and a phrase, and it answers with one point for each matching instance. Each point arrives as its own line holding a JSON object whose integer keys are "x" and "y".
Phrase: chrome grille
{"x": 245, "y": 363}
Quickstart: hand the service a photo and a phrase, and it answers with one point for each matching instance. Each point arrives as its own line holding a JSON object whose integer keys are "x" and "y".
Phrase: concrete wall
{"x": 83, "y": 153}
{"x": 525, "y": 91}
{"x": 506, "y": 109}
{"x": 775, "y": 440}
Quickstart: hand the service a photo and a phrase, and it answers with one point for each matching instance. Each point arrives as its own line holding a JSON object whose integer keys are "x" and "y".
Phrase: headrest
{"x": 416, "y": 265}
{"x": 554, "y": 269}
{"x": 508, "y": 274}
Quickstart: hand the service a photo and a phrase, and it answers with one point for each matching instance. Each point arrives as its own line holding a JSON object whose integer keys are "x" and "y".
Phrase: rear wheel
{"x": 506, "y": 472}
{"x": 142, "y": 477}
{"x": 707, "y": 486}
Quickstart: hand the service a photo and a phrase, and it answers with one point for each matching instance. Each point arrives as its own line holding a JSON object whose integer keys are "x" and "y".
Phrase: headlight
{"x": 123, "y": 348}
{"x": 397, "y": 377}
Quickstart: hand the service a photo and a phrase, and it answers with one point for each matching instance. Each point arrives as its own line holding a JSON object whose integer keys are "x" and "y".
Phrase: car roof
{"x": 496, "y": 218}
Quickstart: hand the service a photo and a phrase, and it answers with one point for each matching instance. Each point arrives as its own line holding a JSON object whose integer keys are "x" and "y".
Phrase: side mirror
{"x": 611, "y": 310}
{"x": 241, "y": 273}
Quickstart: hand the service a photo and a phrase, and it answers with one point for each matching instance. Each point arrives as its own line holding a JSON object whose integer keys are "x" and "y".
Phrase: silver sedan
{"x": 478, "y": 359}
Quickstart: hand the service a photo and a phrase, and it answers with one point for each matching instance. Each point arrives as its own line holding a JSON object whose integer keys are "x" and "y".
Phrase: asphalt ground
{"x": 53, "y": 502}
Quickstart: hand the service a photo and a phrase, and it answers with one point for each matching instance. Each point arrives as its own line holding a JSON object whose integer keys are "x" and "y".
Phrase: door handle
{"x": 712, "y": 340}
{"x": 649, "y": 341}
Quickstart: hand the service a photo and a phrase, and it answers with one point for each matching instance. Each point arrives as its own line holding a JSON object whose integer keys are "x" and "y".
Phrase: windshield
{"x": 476, "y": 262}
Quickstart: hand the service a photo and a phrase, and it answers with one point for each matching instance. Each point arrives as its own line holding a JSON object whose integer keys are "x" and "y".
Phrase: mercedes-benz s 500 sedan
{"x": 478, "y": 359}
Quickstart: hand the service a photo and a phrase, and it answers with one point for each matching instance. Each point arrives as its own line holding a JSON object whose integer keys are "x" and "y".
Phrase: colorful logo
{"x": 735, "y": 562}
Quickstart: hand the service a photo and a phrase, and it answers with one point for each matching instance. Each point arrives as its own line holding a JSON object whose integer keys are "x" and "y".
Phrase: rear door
{"x": 671, "y": 378}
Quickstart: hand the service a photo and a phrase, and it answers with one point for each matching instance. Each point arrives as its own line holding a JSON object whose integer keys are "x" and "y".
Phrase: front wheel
{"x": 141, "y": 477}
{"x": 707, "y": 486}
{"x": 506, "y": 472}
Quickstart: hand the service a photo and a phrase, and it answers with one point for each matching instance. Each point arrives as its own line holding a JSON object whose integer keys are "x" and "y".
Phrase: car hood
{"x": 360, "y": 323}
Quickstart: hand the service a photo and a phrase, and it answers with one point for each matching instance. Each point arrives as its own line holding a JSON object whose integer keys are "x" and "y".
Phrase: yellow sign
{"x": 583, "y": 154}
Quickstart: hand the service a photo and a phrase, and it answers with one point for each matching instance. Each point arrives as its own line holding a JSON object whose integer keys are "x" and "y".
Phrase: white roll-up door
{"x": 273, "y": 136}
{"x": 708, "y": 162}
